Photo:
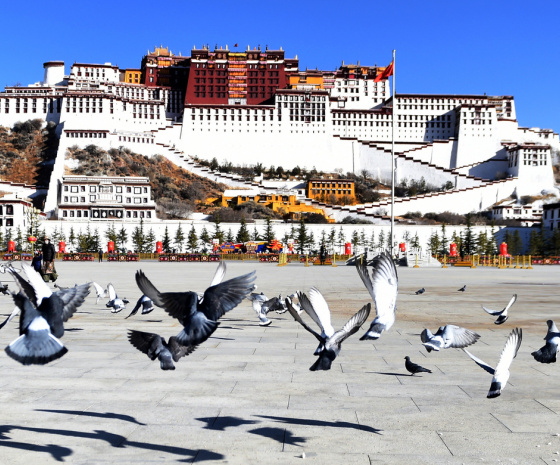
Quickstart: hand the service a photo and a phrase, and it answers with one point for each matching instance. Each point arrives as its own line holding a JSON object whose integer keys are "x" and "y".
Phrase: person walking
{"x": 322, "y": 254}
{"x": 100, "y": 255}
{"x": 49, "y": 271}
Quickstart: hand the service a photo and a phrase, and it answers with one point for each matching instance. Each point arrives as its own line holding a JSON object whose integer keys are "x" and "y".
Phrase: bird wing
{"x": 28, "y": 311}
{"x": 99, "y": 290}
{"x": 322, "y": 311}
{"x": 385, "y": 287}
{"x": 306, "y": 305}
{"x": 509, "y": 351}
{"x": 504, "y": 310}
{"x": 15, "y": 311}
{"x": 426, "y": 335}
{"x": 142, "y": 341}
{"x": 296, "y": 316}
{"x": 480, "y": 363}
{"x": 136, "y": 307}
{"x": 72, "y": 298}
{"x": 510, "y": 303}
{"x": 179, "y": 350}
{"x": 361, "y": 267}
{"x": 458, "y": 337}
{"x": 351, "y": 326}
{"x": 552, "y": 331}
{"x": 111, "y": 291}
{"x": 223, "y": 297}
{"x": 24, "y": 286}
{"x": 218, "y": 275}
{"x": 492, "y": 312}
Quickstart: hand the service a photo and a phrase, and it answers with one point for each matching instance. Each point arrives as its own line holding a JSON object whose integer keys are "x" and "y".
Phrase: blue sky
{"x": 475, "y": 47}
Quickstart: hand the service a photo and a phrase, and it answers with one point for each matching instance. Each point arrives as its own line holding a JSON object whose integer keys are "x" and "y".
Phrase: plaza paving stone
{"x": 247, "y": 396}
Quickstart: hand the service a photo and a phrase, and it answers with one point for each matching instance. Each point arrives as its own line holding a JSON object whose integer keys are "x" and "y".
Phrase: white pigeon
{"x": 547, "y": 353}
{"x": 383, "y": 288}
{"x": 115, "y": 303}
{"x": 501, "y": 314}
{"x": 332, "y": 345}
{"x": 448, "y": 336}
{"x": 501, "y": 373}
{"x": 317, "y": 308}
{"x": 101, "y": 293}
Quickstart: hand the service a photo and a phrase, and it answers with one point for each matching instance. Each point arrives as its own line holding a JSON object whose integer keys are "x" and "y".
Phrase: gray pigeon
{"x": 147, "y": 306}
{"x": 501, "y": 373}
{"x": 448, "y": 336}
{"x": 199, "y": 317}
{"x": 463, "y": 289}
{"x": 413, "y": 368}
{"x": 383, "y": 288}
{"x": 261, "y": 305}
{"x": 420, "y": 291}
{"x": 155, "y": 346}
{"x": 547, "y": 353}
{"x": 331, "y": 346}
{"x": 43, "y": 315}
{"x": 115, "y": 303}
{"x": 501, "y": 314}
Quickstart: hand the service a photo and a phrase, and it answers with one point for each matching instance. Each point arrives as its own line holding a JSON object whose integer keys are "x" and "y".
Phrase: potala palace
{"x": 257, "y": 106}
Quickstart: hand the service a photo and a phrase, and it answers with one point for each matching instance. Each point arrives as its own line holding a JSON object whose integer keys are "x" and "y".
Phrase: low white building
{"x": 105, "y": 198}
{"x": 551, "y": 216}
{"x": 16, "y": 211}
{"x": 527, "y": 215}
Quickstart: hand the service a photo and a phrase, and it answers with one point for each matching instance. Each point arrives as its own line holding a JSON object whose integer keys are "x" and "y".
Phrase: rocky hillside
{"x": 25, "y": 152}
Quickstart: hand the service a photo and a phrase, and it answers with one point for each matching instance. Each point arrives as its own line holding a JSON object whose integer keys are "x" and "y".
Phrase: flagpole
{"x": 392, "y": 239}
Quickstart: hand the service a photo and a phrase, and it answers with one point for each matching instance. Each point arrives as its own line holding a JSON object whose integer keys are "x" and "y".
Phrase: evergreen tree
{"x": 516, "y": 245}
{"x": 341, "y": 240}
{"x": 138, "y": 237}
{"x": 363, "y": 240}
{"x": 166, "y": 242}
{"x": 469, "y": 238}
{"x": 19, "y": 239}
{"x": 268, "y": 231}
{"x": 444, "y": 242}
{"x": 355, "y": 241}
{"x": 434, "y": 243}
{"x": 72, "y": 238}
{"x": 482, "y": 242}
{"x": 381, "y": 239}
{"x": 192, "y": 239}
{"x": 491, "y": 246}
{"x": 243, "y": 233}
{"x": 122, "y": 238}
{"x": 229, "y": 236}
{"x": 415, "y": 242}
{"x": 372, "y": 243}
{"x": 331, "y": 240}
{"x": 218, "y": 233}
{"x": 179, "y": 239}
{"x": 2, "y": 240}
{"x": 555, "y": 242}
{"x": 111, "y": 233}
{"x": 95, "y": 241}
{"x": 292, "y": 231}
{"x": 311, "y": 240}
{"x": 204, "y": 237}
{"x": 302, "y": 236}
{"x": 255, "y": 236}
{"x": 150, "y": 243}
{"x": 8, "y": 238}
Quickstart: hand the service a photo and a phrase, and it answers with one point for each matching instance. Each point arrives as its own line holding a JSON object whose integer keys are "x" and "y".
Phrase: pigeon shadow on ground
{"x": 281, "y": 435}
{"x": 108, "y": 415}
{"x": 329, "y": 424}
{"x": 73, "y": 329}
{"x": 389, "y": 374}
{"x": 114, "y": 440}
{"x": 221, "y": 423}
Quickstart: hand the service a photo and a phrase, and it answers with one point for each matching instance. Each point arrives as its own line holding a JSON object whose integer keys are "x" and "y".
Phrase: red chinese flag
{"x": 385, "y": 74}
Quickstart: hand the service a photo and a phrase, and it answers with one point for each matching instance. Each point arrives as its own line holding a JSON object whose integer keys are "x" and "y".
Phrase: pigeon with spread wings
{"x": 146, "y": 304}
{"x": 501, "y": 314}
{"x": 332, "y": 345}
{"x": 383, "y": 288}
{"x": 199, "y": 317}
{"x": 501, "y": 373}
{"x": 43, "y": 314}
{"x": 317, "y": 308}
{"x": 155, "y": 346}
{"x": 448, "y": 336}
{"x": 115, "y": 303}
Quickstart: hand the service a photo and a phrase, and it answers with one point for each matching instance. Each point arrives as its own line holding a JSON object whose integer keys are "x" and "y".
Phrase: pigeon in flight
{"x": 4, "y": 288}
{"x": 43, "y": 314}
{"x": 547, "y": 353}
{"x": 101, "y": 293}
{"x": 317, "y": 308}
{"x": 146, "y": 304}
{"x": 155, "y": 346}
{"x": 258, "y": 302}
{"x": 115, "y": 303}
{"x": 331, "y": 346}
{"x": 420, "y": 291}
{"x": 199, "y": 317}
{"x": 414, "y": 368}
{"x": 448, "y": 336}
{"x": 501, "y": 373}
{"x": 383, "y": 288}
{"x": 501, "y": 314}
{"x": 463, "y": 289}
